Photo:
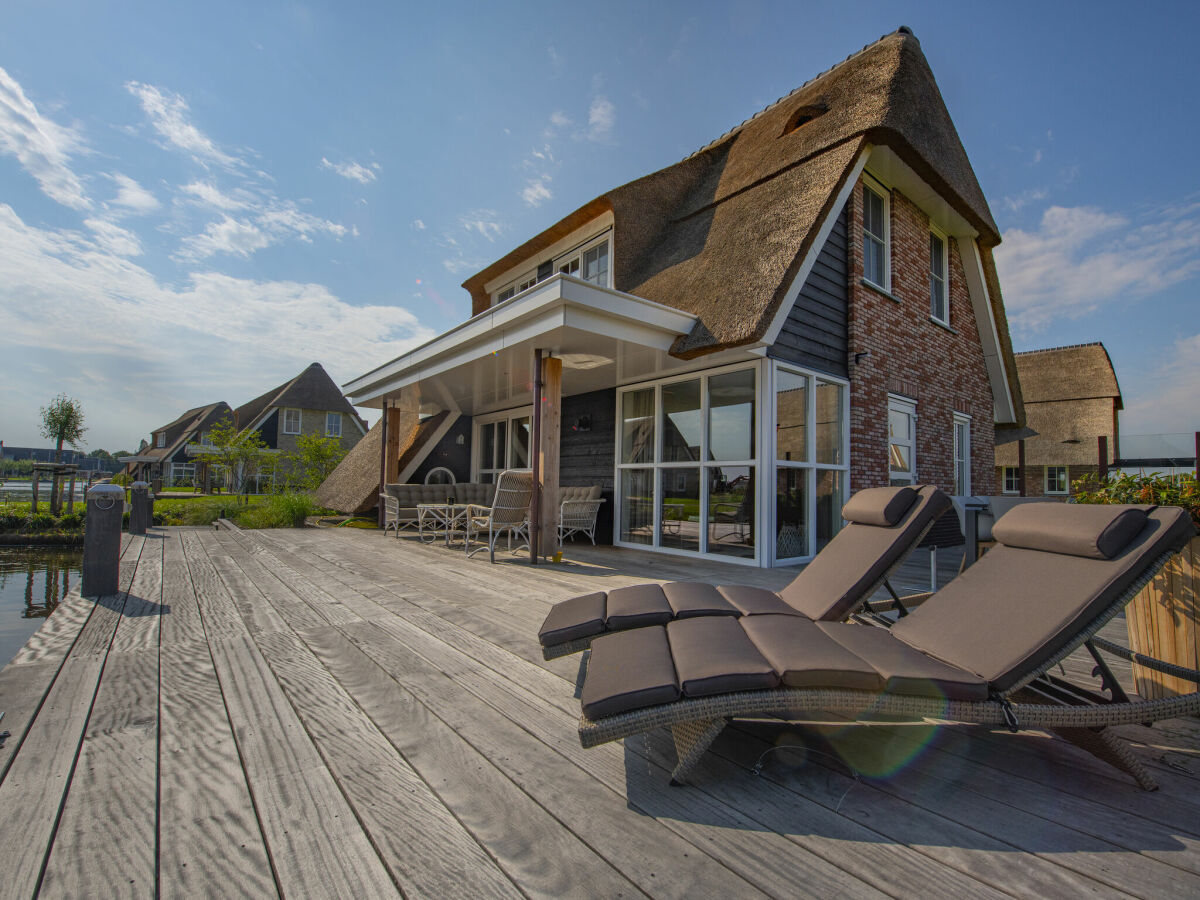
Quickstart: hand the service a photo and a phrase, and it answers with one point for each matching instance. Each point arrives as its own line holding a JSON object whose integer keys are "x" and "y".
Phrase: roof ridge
{"x": 903, "y": 29}
{"x": 1063, "y": 347}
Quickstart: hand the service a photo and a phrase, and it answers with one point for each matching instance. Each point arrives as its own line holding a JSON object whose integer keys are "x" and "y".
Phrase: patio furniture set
{"x": 481, "y": 513}
{"x": 692, "y": 656}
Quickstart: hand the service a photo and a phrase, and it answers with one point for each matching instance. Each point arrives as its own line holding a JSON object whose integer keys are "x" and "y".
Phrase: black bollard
{"x": 139, "y": 512}
{"x": 102, "y": 540}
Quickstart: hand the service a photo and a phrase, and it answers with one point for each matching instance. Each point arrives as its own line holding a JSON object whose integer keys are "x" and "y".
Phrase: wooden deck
{"x": 336, "y": 713}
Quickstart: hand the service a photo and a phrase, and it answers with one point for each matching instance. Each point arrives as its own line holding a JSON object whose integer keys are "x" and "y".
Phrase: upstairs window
{"x": 291, "y": 421}
{"x": 876, "y": 267}
{"x": 939, "y": 279}
{"x": 333, "y": 424}
{"x": 160, "y": 439}
{"x": 595, "y": 265}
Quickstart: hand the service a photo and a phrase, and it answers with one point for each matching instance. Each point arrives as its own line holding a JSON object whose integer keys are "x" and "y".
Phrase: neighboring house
{"x": 310, "y": 403}
{"x": 166, "y": 456}
{"x": 805, "y": 307}
{"x": 1072, "y": 399}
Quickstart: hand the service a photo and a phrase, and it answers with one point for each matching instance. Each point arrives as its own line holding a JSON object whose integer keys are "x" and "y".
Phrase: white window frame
{"x": 1066, "y": 481}
{"x": 283, "y": 420}
{"x": 906, "y": 406}
{"x": 811, "y": 466}
{"x": 936, "y": 232}
{"x": 962, "y": 454}
{"x": 333, "y": 424}
{"x": 160, "y": 439}
{"x": 662, "y": 469}
{"x": 885, "y": 195}
{"x": 561, "y": 264}
{"x": 1016, "y": 474}
{"x": 478, "y": 469}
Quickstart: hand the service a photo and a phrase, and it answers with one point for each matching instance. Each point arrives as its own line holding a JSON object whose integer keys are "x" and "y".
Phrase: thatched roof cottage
{"x": 805, "y": 306}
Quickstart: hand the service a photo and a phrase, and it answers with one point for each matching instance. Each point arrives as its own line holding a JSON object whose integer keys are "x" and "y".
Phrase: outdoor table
{"x": 441, "y": 518}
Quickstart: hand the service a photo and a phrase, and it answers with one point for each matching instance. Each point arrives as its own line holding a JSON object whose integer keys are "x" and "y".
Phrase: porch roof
{"x": 603, "y": 337}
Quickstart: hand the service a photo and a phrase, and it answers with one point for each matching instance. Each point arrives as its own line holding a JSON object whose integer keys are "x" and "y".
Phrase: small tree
{"x": 315, "y": 457}
{"x": 239, "y": 455}
{"x": 62, "y": 422}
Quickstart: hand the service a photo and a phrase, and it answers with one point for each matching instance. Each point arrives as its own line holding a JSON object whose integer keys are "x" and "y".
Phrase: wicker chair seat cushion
{"x": 833, "y": 584}
{"x": 577, "y": 492}
{"x": 706, "y": 656}
{"x": 1015, "y": 608}
{"x": 409, "y": 495}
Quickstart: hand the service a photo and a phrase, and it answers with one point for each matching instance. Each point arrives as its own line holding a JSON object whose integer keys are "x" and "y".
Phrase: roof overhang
{"x": 604, "y": 338}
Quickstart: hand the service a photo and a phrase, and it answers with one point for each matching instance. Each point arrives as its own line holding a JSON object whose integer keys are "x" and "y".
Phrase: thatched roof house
{"x": 835, "y": 248}
{"x": 166, "y": 453}
{"x": 310, "y": 402}
{"x": 1071, "y": 398}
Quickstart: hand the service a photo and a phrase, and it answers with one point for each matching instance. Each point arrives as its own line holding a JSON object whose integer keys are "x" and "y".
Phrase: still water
{"x": 32, "y": 582}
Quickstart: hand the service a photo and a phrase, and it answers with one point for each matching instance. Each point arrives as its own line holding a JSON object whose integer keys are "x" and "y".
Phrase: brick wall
{"x": 910, "y": 354}
{"x": 312, "y": 421}
{"x": 1035, "y": 479}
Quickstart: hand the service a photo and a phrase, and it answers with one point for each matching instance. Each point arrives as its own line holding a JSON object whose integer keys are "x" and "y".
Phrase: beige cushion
{"x": 834, "y": 583}
{"x": 713, "y": 655}
{"x": 575, "y": 492}
{"x": 1016, "y": 608}
{"x": 882, "y": 506}
{"x": 628, "y": 671}
{"x": 1094, "y": 531}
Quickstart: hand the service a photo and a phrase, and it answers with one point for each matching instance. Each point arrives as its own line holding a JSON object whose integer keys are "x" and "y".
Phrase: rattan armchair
{"x": 509, "y": 512}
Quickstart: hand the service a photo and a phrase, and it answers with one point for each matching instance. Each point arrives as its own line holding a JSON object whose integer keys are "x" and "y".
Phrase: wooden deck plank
{"x": 39, "y": 775}
{"x": 116, "y": 776}
{"x": 210, "y": 843}
{"x": 539, "y": 853}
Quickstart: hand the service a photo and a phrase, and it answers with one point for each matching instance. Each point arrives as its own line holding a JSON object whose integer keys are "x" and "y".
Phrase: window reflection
{"x": 731, "y": 520}
{"x": 681, "y": 421}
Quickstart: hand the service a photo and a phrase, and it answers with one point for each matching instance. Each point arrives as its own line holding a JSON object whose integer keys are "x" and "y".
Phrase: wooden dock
{"x": 335, "y": 713}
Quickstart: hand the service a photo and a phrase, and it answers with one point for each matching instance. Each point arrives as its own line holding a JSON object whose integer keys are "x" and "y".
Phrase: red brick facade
{"x": 911, "y": 355}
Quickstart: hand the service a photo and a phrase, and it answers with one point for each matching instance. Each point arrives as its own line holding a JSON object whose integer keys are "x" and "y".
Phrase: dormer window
{"x": 160, "y": 439}
{"x": 588, "y": 261}
{"x": 802, "y": 116}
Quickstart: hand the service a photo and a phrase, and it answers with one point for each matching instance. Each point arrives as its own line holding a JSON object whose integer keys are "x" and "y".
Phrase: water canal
{"x": 33, "y": 580}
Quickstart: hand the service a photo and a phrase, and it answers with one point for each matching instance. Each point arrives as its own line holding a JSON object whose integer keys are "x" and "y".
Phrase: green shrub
{"x": 71, "y": 521}
{"x": 278, "y": 511}
{"x": 1163, "y": 490}
{"x": 123, "y": 479}
{"x": 41, "y": 522}
{"x": 10, "y": 522}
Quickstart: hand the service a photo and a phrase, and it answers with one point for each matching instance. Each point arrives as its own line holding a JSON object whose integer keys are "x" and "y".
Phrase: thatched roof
{"x": 735, "y": 220}
{"x": 311, "y": 389}
{"x": 1076, "y": 372}
{"x": 186, "y": 429}
{"x": 353, "y": 487}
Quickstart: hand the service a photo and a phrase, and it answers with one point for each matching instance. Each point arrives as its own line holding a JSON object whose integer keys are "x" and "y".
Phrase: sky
{"x": 197, "y": 200}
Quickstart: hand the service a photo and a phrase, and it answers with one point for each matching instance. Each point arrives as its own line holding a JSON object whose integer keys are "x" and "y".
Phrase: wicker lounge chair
{"x": 884, "y": 525}
{"x": 977, "y": 652}
{"x": 509, "y": 512}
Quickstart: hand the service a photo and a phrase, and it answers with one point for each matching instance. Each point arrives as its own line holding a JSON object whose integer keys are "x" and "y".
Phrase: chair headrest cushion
{"x": 1095, "y": 531}
{"x": 883, "y": 506}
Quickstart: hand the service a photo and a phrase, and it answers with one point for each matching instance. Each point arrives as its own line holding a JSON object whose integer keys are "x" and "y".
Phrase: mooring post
{"x": 33, "y": 486}
{"x": 102, "y": 540}
{"x": 71, "y": 495}
{"x": 139, "y": 507}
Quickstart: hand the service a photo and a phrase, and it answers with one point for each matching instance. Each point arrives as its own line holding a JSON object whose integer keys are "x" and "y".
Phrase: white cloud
{"x": 352, "y": 170}
{"x": 1024, "y": 198}
{"x": 1164, "y": 401}
{"x": 237, "y": 237}
{"x": 537, "y": 191}
{"x": 208, "y": 194}
{"x": 418, "y": 224}
{"x": 482, "y": 222}
{"x": 558, "y": 119}
{"x": 1080, "y": 259}
{"x": 165, "y": 348}
{"x": 114, "y": 239}
{"x": 168, "y": 113}
{"x": 602, "y": 116}
{"x": 131, "y": 196}
{"x": 459, "y": 264}
{"x": 41, "y": 146}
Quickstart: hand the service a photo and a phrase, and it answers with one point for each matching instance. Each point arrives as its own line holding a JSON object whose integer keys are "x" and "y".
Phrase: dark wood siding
{"x": 586, "y": 457}
{"x": 448, "y": 453}
{"x": 814, "y": 335}
{"x": 269, "y": 430}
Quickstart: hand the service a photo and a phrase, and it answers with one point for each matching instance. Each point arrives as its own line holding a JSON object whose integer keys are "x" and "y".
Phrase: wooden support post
{"x": 1102, "y": 453}
{"x": 395, "y": 432}
{"x": 71, "y": 495}
{"x": 548, "y": 450}
{"x": 1021, "y": 467}
{"x": 535, "y": 499}
{"x": 33, "y": 484}
{"x": 383, "y": 445}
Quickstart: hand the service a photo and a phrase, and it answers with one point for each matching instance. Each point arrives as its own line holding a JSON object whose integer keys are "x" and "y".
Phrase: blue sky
{"x": 197, "y": 200}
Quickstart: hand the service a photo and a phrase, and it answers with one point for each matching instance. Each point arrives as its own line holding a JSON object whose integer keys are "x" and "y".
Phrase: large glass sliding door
{"x": 686, "y": 464}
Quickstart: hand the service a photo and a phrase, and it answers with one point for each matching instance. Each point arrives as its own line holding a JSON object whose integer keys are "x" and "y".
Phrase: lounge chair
{"x": 976, "y": 652}
{"x": 884, "y": 525}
